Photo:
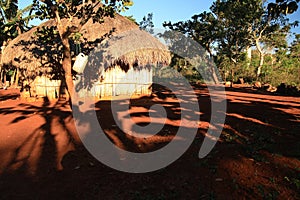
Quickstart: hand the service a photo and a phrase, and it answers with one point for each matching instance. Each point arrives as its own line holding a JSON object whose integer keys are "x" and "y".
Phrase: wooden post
{"x": 12, "y": 79}
{"x": 17, "y": 77}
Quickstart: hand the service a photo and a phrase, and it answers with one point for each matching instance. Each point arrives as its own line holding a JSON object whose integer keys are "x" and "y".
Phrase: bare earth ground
{"x": 257, "y": 156}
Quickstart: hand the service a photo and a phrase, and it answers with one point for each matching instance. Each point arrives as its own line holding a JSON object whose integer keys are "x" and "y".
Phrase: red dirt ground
{"x": 257, "y": 156}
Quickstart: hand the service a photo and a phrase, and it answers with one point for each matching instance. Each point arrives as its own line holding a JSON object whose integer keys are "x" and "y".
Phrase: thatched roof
{"x": 134, "y": 47}
{"x": 129, "y": 45}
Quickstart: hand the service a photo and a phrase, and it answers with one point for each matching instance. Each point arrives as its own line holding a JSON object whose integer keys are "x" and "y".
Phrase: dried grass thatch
{"x": 129, "y": 46}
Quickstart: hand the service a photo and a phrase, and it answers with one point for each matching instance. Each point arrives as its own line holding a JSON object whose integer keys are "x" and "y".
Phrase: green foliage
{"x": 287, "y": 66}
{"x": 147, "y": 23}
{"x": 295, "y": 50}
{"x": 234, "y": 22}
{"x": 231, "y": 27}
{"x": 13, "y": 21}
{"x": 9, "y": 9}
{"x": 81, "y": 10}
{"x": 294, "y": 181}
{"x": 203, "y": 28}
{"x": 131, "y": 18}
{"x": 71, "y": 15}
{"x": 282, "y": 7}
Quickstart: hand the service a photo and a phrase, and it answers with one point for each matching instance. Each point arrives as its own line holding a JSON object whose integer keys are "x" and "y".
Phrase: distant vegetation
{"x": 247, "y": 39}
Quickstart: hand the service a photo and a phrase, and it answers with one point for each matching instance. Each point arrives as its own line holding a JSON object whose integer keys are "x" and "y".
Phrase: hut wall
{"x": 116, "y": 83}
{"x": 42, "y": 86}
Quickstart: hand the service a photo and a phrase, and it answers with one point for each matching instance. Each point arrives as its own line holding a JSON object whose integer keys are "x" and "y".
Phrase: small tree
{"x": 70, "y": 16}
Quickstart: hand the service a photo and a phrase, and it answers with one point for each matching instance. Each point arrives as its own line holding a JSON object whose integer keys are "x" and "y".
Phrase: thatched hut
{"x": 116, "y": 66}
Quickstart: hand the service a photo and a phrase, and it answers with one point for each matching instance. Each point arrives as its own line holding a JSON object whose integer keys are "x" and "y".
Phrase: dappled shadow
{"x": 7, "y": 97}
{"x": 38, "y": 137}
{"x": 264, "y": 131}
{"x": 129, "y": 123}
{"x": 42, "y": 55}
{"x": 10, "y": 94}
{"x": 266, "y": 122}
{"x": 256, "y": 151}
{"x": 262, "y": 91}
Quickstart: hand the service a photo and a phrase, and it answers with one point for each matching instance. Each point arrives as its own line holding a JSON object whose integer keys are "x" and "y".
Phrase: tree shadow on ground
{"x": 265, "y": 131}
{"x": 9, "y": 95}
{"x": 252, "y": 158}
{"x": 36, "y": 131}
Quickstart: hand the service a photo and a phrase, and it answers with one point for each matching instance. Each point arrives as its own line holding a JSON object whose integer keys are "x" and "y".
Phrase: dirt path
{"x": 257, "y": 156}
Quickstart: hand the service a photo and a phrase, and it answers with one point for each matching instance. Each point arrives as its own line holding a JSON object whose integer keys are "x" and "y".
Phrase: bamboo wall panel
{"x": 116, "y": 83}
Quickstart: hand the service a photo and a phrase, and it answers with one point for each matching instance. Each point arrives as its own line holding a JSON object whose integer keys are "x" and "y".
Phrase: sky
{"x": 177, "y": 10}
{"x": 171, "y": 10}
{"x": 167, "y": 10}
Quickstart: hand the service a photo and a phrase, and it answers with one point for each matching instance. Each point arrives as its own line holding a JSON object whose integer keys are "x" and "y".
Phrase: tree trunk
{"x": 4, "y": 77}
{"x": 212, "y": 68}
{"x": 67, "y": 67}
{"x": 232, "y": 76}
{"x": 1, "y": 73}
{"x": 17, "y": 77}
{"x": 249, "y": 56}
{"x": 261, "y": 63}
{"x": 225, "y": 73}
{"x": 1, "y": 77}
{"x": 233, "y": 70}
{"x": 12, "y": 78}
{"x": 261, "y": 59}
{"x": 67, "y": 59}
{"x": 1, "y": 64}
{"x": 214, "y": 75}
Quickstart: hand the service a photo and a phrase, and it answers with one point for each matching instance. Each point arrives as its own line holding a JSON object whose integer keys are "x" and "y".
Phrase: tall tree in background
{"x": 294, "y": 57}
{"x": 295, "y": 50}
{"x": 225, "y": 29}
{"x": 202, "y": 28}
{"x": 233, "y": 38}
{"x": 247, "y": 23}
{"x": 270, "y": 23}
{"x": 233, "y": 27}
{"x": 70, "y": 16}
